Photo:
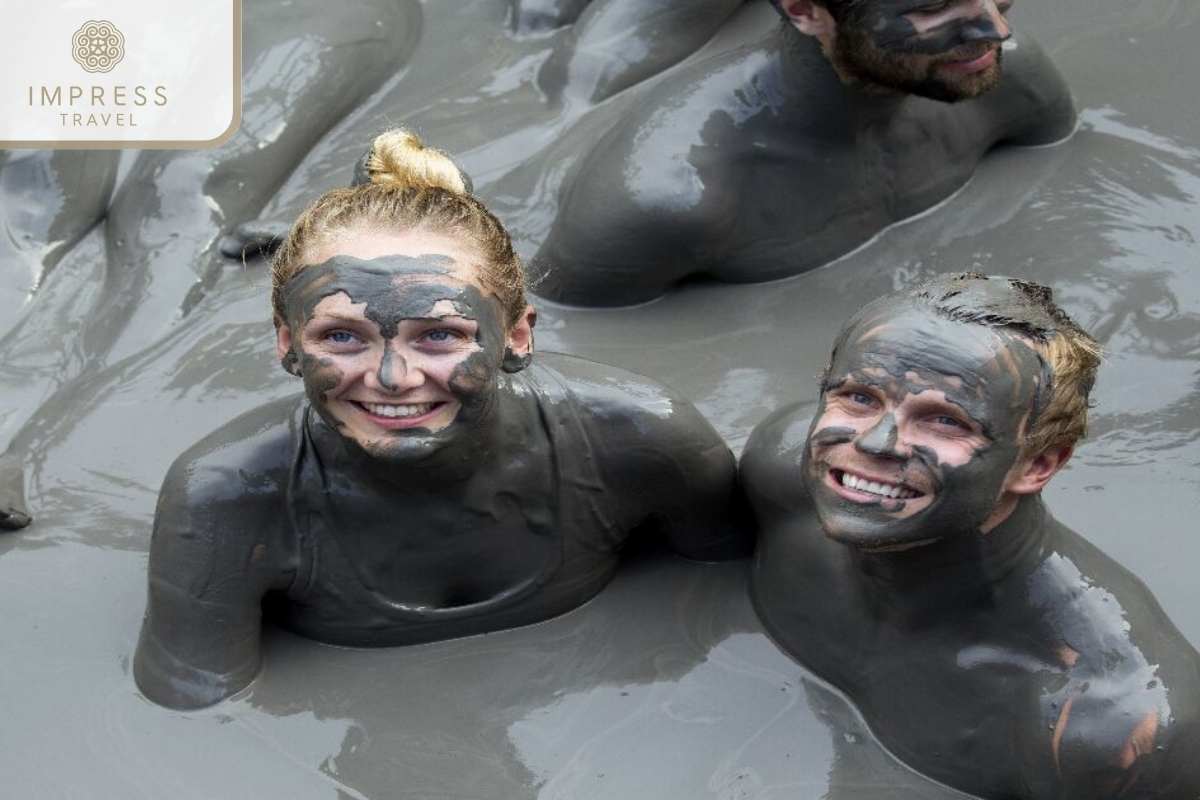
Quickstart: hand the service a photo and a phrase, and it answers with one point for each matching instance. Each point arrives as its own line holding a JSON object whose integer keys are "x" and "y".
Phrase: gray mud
{"x": 132, "y": 339}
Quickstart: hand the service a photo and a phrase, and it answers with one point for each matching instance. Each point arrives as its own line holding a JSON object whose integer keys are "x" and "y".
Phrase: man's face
{"x": 918, "y": 429}
{"x": 399, "y": 353}
{"x": 945, "y": 50}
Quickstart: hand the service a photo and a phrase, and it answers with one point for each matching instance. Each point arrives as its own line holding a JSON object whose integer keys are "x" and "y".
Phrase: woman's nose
{"x": 396, "y": 372}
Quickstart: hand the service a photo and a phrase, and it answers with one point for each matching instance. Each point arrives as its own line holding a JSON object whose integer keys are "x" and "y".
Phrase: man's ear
{"x": 1028, "y": 477}
{"x": 518, "y": 349}
{"x": 810, "y": 18}
{"x": 283, "y": 347}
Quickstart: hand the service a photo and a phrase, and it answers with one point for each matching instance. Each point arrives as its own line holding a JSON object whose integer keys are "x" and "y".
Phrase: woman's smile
{"x": 396, "y": 416}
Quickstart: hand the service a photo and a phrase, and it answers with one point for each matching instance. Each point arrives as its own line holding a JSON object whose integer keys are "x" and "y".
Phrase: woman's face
{"x": 399, "y": 347}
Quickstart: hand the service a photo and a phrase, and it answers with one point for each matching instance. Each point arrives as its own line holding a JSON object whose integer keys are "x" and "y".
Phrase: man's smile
{"x": 972, "y": 63}
{"x": 872, "y": 486}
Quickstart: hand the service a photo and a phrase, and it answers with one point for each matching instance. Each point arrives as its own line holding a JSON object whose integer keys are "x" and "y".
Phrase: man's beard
{"x": 857, "y": 57}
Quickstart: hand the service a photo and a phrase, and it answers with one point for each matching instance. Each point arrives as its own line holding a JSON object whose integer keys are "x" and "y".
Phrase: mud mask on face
{"x": 394, "y": 288}
{"x": 390, "y": 290}
{"x": 902, "y": 353}
{"x": 887, "y": 24}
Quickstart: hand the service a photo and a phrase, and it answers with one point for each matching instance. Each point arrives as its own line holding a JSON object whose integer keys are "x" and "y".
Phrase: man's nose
{"x": 989, "y": 25}
{"x": 881, "y": 439}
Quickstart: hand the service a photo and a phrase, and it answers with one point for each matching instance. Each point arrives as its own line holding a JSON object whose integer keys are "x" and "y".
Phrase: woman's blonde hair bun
{"x": 399, "y": 158}
{"x": 401, "y": 186}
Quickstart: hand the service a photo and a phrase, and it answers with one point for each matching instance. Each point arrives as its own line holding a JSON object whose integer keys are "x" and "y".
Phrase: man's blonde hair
{"x": 1059, "y": 417}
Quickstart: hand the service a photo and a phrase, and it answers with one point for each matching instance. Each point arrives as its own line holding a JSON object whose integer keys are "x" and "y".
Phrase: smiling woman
{"x": 400, "y": 342}
{"x": 433, "y": 481}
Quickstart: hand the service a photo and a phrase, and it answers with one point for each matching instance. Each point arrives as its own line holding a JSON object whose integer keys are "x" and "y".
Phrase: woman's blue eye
{"x": 439, "y": 336}
{"x": 342, "y": 337}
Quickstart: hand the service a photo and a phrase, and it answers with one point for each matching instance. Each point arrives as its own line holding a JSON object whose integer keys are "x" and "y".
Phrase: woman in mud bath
{"x": 433, "y": 480}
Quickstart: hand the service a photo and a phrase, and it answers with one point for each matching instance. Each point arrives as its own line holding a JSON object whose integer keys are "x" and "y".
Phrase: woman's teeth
{"x": 393, "y": 412}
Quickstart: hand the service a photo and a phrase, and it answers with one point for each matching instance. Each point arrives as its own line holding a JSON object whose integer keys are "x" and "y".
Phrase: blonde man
{"x": 906, "y": 556}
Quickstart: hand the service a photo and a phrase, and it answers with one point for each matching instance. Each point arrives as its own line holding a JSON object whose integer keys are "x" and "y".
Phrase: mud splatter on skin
{"x": 881, "y": 48}
{"x": 1026, "y": 634}
{"x": 393, "y": 289}
{"x": 890, "y": 27}
{"x": 473, "y": 501}
{"x": 898, "y": 352}
{"x": 389, "y": 288}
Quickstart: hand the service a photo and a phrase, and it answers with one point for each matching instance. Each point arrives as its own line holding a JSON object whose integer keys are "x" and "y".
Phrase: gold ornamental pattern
{"x": 98, "y": 46}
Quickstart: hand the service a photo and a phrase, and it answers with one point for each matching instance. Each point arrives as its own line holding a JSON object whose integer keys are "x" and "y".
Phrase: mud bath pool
{"x": 130, "y": 344}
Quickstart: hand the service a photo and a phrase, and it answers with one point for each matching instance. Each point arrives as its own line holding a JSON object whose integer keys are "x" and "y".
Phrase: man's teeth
{"x": 380, "y": 410}
{"x": 881, "y": 489}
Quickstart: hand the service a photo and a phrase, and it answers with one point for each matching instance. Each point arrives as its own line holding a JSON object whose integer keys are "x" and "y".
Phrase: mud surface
{"x": 128, "y": 340}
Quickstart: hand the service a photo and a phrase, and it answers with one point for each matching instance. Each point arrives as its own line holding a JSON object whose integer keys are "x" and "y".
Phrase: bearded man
{"x": 906, "y": 556}
{"x": 781, "y": 156}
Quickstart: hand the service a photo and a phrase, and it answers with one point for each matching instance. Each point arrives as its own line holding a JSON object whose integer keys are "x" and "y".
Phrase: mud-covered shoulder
{"x": 653, "y": 200}
{"x": 245, "y": 458}
{"x": 228, "y": 494}
{"x": 610, "y": 393}
{"x": 662, "y": 462}
{"x": 694, "y": 108}
{"x": 1033, "y": 103}
{"x": 769, "y": 469}
{"x": 631, "y": 415}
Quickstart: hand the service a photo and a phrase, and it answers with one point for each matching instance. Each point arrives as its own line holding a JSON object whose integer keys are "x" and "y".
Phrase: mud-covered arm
{"x": 1178, "y": 773}
{"x": 200, "y": 639}
{"x": 665, "y": 470}
{"x": 616, "y": 44}
{"x": 1112, "y": 740}
{"x": 1033, "y": 104}
{"x": 679, "y": 479}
